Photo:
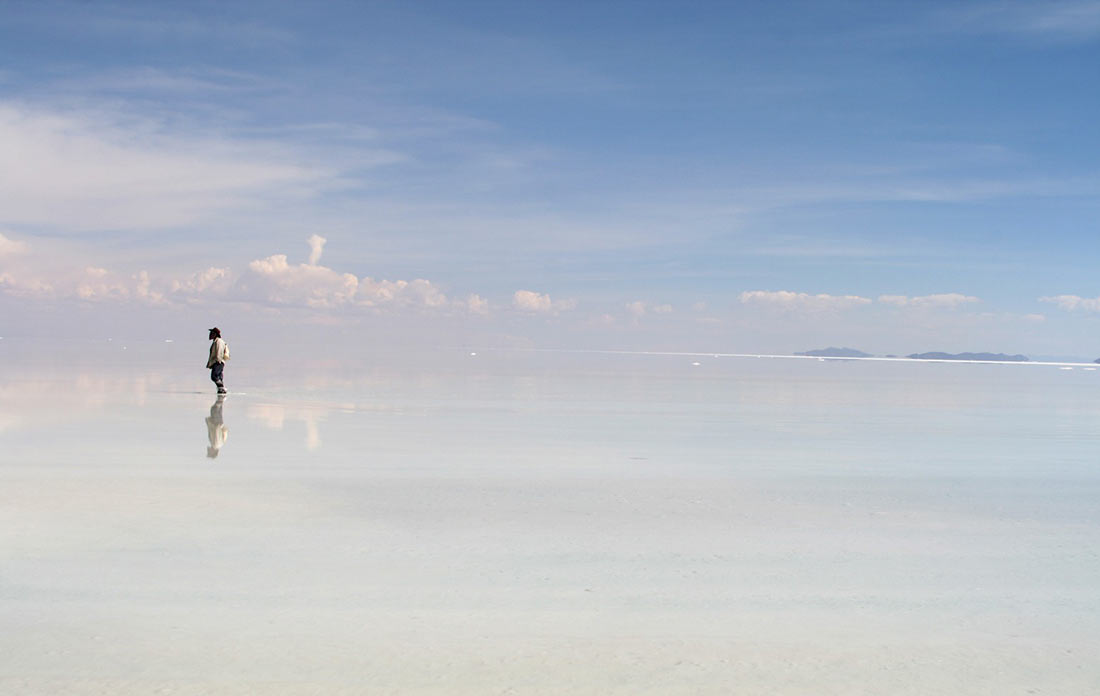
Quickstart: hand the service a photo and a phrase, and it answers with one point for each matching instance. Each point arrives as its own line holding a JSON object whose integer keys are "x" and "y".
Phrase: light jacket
{"x": 219, "y": 352}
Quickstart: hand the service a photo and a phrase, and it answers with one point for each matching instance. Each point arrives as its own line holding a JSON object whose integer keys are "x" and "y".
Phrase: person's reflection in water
{"x": 215, "y": 428}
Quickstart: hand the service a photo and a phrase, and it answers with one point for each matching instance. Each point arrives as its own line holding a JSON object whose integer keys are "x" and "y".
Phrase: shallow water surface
{"x": 536, "y": 523}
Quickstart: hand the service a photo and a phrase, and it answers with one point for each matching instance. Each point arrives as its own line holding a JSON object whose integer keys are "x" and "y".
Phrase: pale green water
{"x": 531, "y": 523}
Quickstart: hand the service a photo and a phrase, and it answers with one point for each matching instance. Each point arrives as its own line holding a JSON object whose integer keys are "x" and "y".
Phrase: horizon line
{"x": 709, "y": 354}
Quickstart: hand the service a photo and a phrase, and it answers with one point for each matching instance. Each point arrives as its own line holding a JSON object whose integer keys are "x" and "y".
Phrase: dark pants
{"x": 216, "y": 375}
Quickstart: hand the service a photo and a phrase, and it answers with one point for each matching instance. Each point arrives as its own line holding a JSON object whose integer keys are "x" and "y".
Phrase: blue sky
{"x": 717, "y": 176}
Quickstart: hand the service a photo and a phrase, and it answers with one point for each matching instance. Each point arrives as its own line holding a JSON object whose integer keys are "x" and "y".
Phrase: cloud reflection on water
{"x": 274, "y": 416}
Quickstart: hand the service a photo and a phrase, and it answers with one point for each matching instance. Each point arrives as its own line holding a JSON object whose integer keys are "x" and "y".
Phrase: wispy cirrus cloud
{"x": 923, "y": 189}
{"x": 96, "y": 171}
{"x": 147, "y": 80}
{"x": 146, "y": 24}
{"x": 1061, "y": 20}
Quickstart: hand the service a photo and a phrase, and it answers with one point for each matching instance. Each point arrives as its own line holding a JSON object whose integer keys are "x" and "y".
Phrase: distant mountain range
{"x": 853, "y": 353}
{"x": 836, "y": 353}
{"x": 990, "y": 357}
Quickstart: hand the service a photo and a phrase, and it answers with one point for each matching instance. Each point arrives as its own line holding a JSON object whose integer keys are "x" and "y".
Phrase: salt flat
{"x": 526, "y": 523}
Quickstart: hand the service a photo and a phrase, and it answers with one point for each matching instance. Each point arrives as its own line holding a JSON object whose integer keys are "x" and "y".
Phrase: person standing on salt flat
{"x": 219, "y": 355}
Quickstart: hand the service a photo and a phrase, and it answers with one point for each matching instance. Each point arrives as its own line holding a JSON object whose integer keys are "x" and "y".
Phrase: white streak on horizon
{"x": 787, "y": 357}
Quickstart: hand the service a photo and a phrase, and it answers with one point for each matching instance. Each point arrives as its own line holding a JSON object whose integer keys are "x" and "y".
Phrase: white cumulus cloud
{"x": 1074, "y": 303}
{"x": 417, "y": 292}
{"x": 535, "y": 302}
{"x": 271, "y": 281}
{"x": 788, "y": 300}
{"x": 274, "y": 280}
{"x": 531, "y": 301}
{"x": 316, "y": 246}
{"x": 948, "y": 300}
{"x": 212, "y": 281}
{"x": 101, "y": 285}
{"x": 475, "y": 304}
{"x": 10, "y": 247}
{"x": 640, "y": 308}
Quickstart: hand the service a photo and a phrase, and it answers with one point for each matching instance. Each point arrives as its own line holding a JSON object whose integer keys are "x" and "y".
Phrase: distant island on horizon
{"x": 832, "y": 352}
{"x": 988, "y": 357}
{"x": 835, "y": 353}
